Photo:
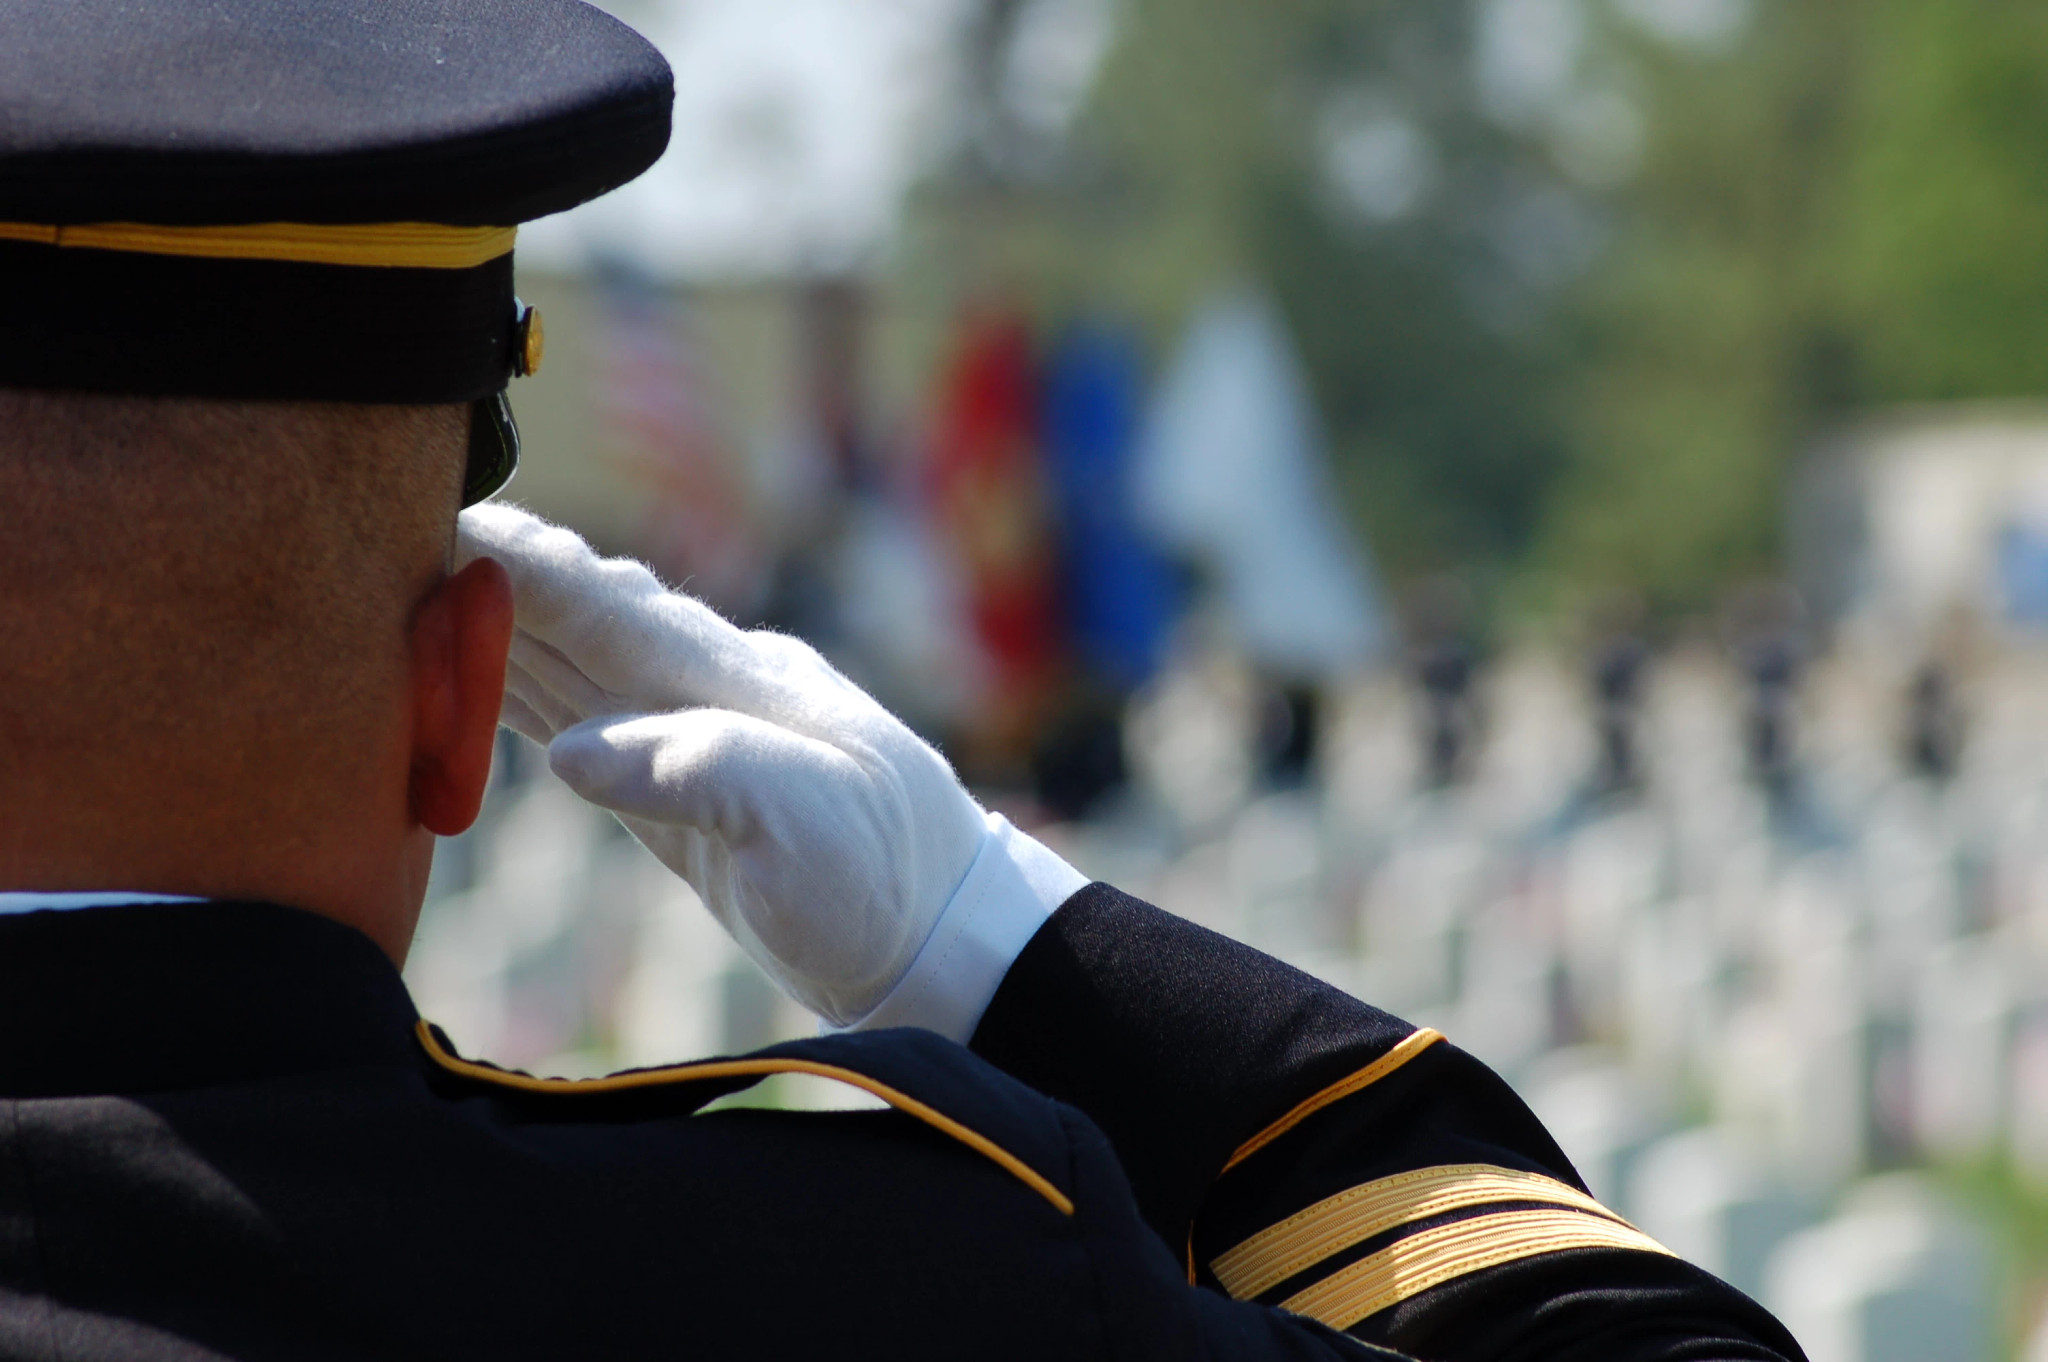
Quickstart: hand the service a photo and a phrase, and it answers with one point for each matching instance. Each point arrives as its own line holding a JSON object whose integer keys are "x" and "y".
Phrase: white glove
{"x": 839, "y": 850}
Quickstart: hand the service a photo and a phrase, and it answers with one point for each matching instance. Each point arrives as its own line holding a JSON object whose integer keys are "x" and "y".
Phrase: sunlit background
{"x": 1534, "y": 511}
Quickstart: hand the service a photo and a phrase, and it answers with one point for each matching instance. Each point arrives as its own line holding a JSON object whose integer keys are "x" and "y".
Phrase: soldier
{"x": 254, "y": 342}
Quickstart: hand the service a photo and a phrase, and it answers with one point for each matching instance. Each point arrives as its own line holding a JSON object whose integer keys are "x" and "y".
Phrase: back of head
{"x": 203, "y": 603}
{"x": 234, "y": 660}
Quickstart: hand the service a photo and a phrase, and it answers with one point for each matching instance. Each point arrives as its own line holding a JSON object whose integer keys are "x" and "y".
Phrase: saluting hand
{"x": 819, "y": 830}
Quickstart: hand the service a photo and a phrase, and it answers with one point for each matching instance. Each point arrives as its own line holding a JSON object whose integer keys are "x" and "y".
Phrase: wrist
{"x": 1014, "y": 884}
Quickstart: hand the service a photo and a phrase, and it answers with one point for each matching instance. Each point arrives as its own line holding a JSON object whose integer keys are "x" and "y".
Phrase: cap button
{"x": 529, "y": 343}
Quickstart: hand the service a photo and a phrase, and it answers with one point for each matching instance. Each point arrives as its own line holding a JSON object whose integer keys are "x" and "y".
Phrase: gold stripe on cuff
{"x": 1435, "y": 1256}
{"x": 1335, "y": 1223}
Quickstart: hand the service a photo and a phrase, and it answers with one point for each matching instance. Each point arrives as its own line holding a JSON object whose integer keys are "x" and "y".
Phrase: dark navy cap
{"x": 301, "y": 199}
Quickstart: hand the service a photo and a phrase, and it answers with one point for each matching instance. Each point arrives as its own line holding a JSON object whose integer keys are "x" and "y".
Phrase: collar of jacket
{"x": 137, "y": 999}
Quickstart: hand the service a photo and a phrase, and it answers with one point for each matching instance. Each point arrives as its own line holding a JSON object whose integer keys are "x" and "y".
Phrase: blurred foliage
{"x": 1235, "y": 111}
{"x": 2015, "y": 1210}
{"x": 1847, "y": 210}
{"x": 1944, "y": 229}
{"x": 1706, "y": 350}
{"x": 1533, "y": 353}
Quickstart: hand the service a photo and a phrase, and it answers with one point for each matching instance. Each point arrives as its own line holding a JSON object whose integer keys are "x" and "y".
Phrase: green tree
{"x": 1847, "y": 210}
{"x": 1943, "y": 271}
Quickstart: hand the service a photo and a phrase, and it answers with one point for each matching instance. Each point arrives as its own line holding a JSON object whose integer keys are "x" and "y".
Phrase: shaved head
{"x": 211, "y": 592}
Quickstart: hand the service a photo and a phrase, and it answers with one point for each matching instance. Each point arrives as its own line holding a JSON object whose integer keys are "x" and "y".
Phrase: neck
{"x": 358, "y": 862}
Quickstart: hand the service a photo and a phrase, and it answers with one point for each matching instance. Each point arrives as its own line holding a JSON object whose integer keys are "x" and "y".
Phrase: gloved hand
{"x": 838, "y": 848}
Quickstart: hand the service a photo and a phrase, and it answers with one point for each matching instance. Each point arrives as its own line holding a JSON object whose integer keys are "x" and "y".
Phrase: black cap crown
{"x": 300, "y": 199}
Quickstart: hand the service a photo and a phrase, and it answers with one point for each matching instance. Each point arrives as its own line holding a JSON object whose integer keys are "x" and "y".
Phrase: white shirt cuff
{"x": 1014, "y": 885}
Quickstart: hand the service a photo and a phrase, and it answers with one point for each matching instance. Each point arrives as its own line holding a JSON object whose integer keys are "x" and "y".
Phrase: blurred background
{"x": 1535, "y": 511}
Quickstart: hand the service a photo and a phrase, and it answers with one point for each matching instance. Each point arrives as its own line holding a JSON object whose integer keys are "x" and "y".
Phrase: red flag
{"x": 989, "y": 503}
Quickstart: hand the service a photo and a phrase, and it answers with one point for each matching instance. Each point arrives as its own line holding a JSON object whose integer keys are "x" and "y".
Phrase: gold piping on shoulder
{"x": 396, "y": 245}
{"x": 1335, "y": 1223}
{"x": 1410, "y": 1046}
{"x": 744, "y": 1068}
{"x": 1435, "y": 1256}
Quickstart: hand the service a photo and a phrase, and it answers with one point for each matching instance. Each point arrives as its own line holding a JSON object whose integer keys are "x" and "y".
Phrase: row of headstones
{"x": 562, "y": 914}
{"x": 1897, "y": 1273}
{"x": 1854, "y": 1000}
{"x": 1600, "y": 872}
{"x": 1824, "y": 1072}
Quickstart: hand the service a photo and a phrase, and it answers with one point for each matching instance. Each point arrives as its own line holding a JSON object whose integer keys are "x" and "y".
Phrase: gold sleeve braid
{"x": 1447, "y": 1252}
{"x": 1429, "y": 1258}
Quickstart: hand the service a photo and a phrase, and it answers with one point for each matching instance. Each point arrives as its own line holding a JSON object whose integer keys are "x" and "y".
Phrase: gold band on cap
{"x": 393, "y": 245}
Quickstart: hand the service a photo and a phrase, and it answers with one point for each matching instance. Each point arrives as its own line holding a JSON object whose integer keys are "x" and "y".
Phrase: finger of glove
{"x": 518, "y": 716}
{"x": 709, "y": 867}
{"x": 543, "y": 704}
{"x": 729, "y": 775}
{"x": 774, "y": 832}
{"x": 563, "y": 680}
{"x": 620, "y": 627}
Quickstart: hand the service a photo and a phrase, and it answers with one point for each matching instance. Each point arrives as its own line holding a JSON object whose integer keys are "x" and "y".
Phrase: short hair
{"x": 197, "y": 570}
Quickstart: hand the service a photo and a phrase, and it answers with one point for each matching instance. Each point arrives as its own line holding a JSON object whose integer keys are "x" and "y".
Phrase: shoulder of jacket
{"x": 920, "y": 1074}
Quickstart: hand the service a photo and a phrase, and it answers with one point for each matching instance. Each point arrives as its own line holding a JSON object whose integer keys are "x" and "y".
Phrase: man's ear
{"x": 461, "y": 634}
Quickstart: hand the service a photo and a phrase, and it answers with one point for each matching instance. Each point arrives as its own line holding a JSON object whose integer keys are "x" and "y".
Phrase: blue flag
{"x": 1122, "y": 597}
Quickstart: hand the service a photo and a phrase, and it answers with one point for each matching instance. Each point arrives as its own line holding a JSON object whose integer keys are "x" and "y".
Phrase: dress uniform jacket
{"x": 225, "y": 1133}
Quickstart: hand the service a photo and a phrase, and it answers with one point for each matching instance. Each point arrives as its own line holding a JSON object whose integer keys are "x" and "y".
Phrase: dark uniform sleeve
{"x": 1300, "y": 1149}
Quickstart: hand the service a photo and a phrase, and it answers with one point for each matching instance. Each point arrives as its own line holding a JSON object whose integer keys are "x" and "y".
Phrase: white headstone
{"x": 1507, "y": 1008}
{"x": 1670, "y": 977}
{"x": 1275, "y": 855}
{"x": 1708, "y": 1199}
{"x": 533, "y": 869}
{"x": 1191, "y": 732}
{"x": 2027, "y": 1117}
{"x": 1613, "y": 872}
{"x": 672, "y": 1005}
{"x": 1410, "y": 910}
{"x": 1600, "y": 1119}
{"x": 1961, "y": 1036}
{"x": 1898, "y": 1276}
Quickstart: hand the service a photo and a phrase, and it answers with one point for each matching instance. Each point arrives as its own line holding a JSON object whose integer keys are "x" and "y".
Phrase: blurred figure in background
{"x": 1620, "y": 661}
{"x": 1232, "y": 477}
{"x": 1443, "y": 661}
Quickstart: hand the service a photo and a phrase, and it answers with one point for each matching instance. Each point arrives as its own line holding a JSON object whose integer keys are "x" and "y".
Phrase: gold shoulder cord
{"x": 750, "y": 1068}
